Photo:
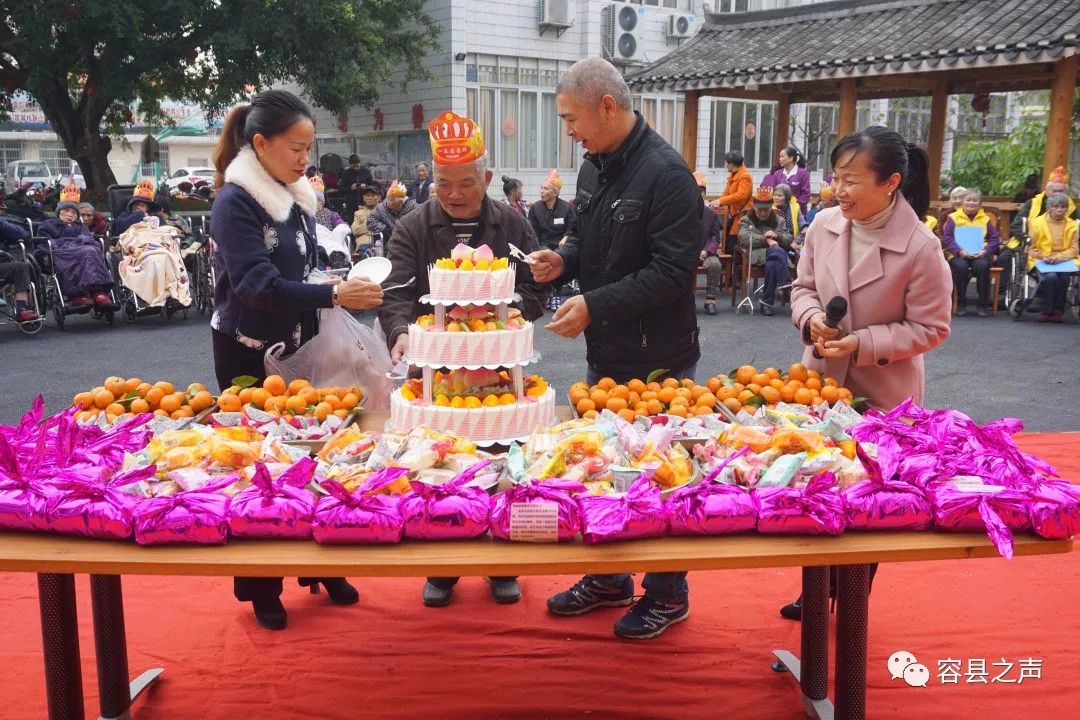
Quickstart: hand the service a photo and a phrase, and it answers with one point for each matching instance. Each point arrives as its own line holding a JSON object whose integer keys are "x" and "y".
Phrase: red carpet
{"x": 389, "y": 657}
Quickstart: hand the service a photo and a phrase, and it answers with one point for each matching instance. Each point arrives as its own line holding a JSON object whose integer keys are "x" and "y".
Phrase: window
{"x": 648, "y": 110}
{"x": 745, "y": 126}
{"x": 556, "y": 149}
{"x": 486, "y": 69}
{"x": 993, "y": 122}
{"x": 162, "y": 169}
{"x": 55, "y": 155}
{"x": 10, "y": 151}
{"x": 528, "y": 72}
{"x": 527, "y": 131}
{"x": 821, "y": 125}
{"x": 198, "y": 162}
{"x": 508, "y": 71}
{"x": 508, "y": 129}
{"x": 911, "y": 118}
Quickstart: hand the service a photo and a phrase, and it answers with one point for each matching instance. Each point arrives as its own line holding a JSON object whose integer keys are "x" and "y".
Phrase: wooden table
{"x": 56, "y": 559}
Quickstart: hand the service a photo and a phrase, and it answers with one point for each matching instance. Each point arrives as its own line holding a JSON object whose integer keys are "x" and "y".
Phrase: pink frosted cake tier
{"x": 491, "y": 348}
{"x": 476, "y": 286}
{"x": 485, "y": 424}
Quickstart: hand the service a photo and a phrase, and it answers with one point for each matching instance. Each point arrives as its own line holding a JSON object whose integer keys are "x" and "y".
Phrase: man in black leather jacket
{"x": 634, "y": 251}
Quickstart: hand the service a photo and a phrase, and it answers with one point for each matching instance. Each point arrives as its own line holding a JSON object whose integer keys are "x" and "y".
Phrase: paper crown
{"x": 455, "y": 140}
{"x": 826, "y": 191}
{"x": 144, "y": 190}
{"x": 318, "y": 184}
{"x": 554, "y": 180}
{"x": 397, "y": 190}
{"x": 1059, "y": 175}
{"x": 763, "y": 195}
{"x": 70, "y": 194}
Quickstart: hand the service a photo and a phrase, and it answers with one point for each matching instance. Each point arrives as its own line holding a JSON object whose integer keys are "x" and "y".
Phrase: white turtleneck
{"x": 865, "y": 233}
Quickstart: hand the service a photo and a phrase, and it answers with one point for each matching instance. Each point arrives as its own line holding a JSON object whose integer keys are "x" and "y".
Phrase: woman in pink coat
{"x": 875, "y": 252}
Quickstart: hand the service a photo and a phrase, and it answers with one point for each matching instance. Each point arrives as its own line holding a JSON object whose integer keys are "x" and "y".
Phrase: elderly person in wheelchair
{"x": 1054, "y": 256}
{"x": 15, "y": 276}
{"x": 765, "y": 239}
{"x": 79, "y": 257}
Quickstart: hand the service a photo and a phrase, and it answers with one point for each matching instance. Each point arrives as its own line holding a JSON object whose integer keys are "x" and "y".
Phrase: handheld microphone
{"x": 835, "y": 311}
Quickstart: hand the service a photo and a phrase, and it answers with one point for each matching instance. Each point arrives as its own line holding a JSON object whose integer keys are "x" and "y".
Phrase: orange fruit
{"x": 813, "y": 374}
{"x": 803, "y": 396}
{"x": 114, "y": 409}
{"x": 229, "y": 402}
{"x": 787, "y": 393}
{"x": 666, "y": 395}
{"x": 754, "y": 388}
{"x": 772, "y": 372}
{"x": 166, "y": 387}
{"x": 733, "y": 405}
{"x": 256, "y": 396}
{"x": 740, "y": 387}
{"x": 654, "y": 406}
{"x": 275, "y": 384}
{"x": 654, "y": 386}
{"x": 350, "y": 400}
{"x": 103, "y": 399}
{"x": 599, "y": 397}
{"x": 745, "y": 374}
{"x": 110, "y": 418}
{"x": 246, "y": 395}
{"x": 341, "y": 414}
{"x": 620, "y": 391}
{"x": 702, "y": 410}
{"x": 642, "y": 407}
{"x": 798, "y": 372}
{"x": 650, "y": 395}
{"x": 275, "y": 404}
{"x": 796, "y": 384}
{"x": 83, "y": 400}
{"x": 776, "y": 383}
{"x": 132, "y": 385}
{"x": 713, "y": 384}
{"x": 845, "y": 394}
{"x": 84, "y": 416}
{"x": 606, "y": 383}
{"x": 591, "y": 415}
{"x": 143, "y": 389}
{"x": 184, "y": 412}
{"x": 745, "y": 395}
{"x": 154, "y": 395}
{"x": 577, "y": 396}
{"x": 726, "y": 391}
{"x": 160, "y": 413}
{"x": 697, "y": 391}
{"x": 311, "y": 396}
{"x": 670, "y": 383}
{"x": 333, "y": 401}
{"x": 322, "y": 411}
{"x": 632, "y": 398}
{"x": 680, "y": 401}
{"x": 706, "y": 400}
{"x": 297, "y": 385}
{"x": 830, "y": 394}
{"x": 617, "y": 404}
{"x": 628, "y": 415}
{"x": 813, "y": 384}
{"x": 195, "y": 388}
{"x": 636, "y": 386}
{"x": 760, "y": 379}
{"x": 770, "y": 394}
{"x": 171, "y": 403}
{"x": 201, "y": 401}
{"x": 297, "y": 405}
{"x": 116, "y": 385}
{"x": 585, "y": 405}
{"x": 140, "y": 406}
{"x": 678, "y": 410}
{"x": 831, "y": 381}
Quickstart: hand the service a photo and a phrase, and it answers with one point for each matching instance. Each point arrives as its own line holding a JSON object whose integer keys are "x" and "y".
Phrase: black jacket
{"x": 350, "y": 177}
{"x": 634, "y": 250}
{"x": 419, "y": 191}
{"x": 551, "y": 225}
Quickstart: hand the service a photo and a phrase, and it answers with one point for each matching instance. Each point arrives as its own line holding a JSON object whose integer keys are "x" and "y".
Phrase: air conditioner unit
{"x": 680, "y": 26}
{"x": 556, "y": 13}
{"x": 623, "y": 33}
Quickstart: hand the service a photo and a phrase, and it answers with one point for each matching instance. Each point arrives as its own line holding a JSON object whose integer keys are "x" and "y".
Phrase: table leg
{"x": 60, "y": 642}
{"x": 853, "y": 600}
{"x": 812, "y": 669}
{"x": 110, "y": 640}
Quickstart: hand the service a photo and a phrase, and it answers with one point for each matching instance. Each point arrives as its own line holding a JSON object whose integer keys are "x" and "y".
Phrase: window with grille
{"x": 745, "y": 126}
{"x": 162, "y": 169}
{"x": 55, "y": 155}
{"x": 10, "y": 151}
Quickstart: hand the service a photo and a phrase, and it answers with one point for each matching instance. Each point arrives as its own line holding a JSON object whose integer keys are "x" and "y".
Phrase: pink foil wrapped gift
{"x": 199, "y": 517}
{"x": 362, "y": 516}
{"x": 454, "y": 510}
{"x": 639, "y": 513}
{"x": 87, "y": 501}
{"x": 281, "y": 508}
{"x": 558, "y": 492}
{"x": 817, "y": 509}
{"x": 22, "y": 501}
{"x": 882, "y": 503}
{"x": 711, "y": 507}
{"x": 998, "y": 511}
{"x": 1055, "y": 510}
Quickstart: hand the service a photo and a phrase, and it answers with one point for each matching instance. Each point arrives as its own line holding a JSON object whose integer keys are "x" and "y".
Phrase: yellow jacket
{"x": 931, "y": 222}
{"x": 1041, "y": 240}
{"x": 1035, "y": 211}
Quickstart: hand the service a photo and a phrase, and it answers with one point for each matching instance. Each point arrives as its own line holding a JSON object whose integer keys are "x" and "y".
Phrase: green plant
{"x": 999, "y": 166}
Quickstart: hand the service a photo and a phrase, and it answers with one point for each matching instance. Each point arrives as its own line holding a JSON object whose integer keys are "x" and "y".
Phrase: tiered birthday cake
{"x": 472, "y": 349}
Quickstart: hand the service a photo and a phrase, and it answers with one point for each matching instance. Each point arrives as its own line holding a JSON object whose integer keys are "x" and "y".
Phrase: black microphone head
{"x": 836, "y": 309}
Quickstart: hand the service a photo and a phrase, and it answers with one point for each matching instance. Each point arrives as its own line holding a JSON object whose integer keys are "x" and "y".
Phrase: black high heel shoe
{"x": 340, "y": 591}
{"x": 270, "y": 613}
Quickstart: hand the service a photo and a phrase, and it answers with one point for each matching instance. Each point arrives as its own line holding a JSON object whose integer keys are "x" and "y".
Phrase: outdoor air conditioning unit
{"x": 680, "y": 26}
{"x": 556, "y": 13}
{"x": 623, "y": 32}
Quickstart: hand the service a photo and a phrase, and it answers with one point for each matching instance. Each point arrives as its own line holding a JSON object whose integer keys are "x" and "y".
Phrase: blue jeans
{"x": 671, "y": 587}
{"x": 776, "y": 273}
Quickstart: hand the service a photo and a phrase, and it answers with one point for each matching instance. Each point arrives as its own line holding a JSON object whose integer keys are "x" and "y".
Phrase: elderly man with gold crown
{"x": 459, "y": 212}
{"x": 552, "y": 217}
{"x": 80, "y": 263}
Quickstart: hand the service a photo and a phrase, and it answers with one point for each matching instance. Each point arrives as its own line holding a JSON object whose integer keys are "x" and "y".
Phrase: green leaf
{"x": 656, "y": 375}
{"x": 755, "y": 402}
{"x": 245, "y": 381}
{"x": 860, "y": 404}
{"x": 127, "y": 399}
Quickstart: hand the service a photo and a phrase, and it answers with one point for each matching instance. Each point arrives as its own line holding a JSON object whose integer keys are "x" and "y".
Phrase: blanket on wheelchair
{"x": 153, "y": 267}
{"x": 79, "y": 258}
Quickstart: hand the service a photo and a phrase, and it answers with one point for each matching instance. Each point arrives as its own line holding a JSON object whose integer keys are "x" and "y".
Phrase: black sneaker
{"x": 505, "y": 591}
{"x": 435, "y": 596}
{"x": 649, "y": 619}
{"x": 588, "y": 594}
{"x": 767, "y": 309}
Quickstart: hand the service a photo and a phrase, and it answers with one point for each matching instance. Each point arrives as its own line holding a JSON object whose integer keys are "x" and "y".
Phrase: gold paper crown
{"x": 763, "y": 194}
{"x": 397, "y": 189}
{"x": 144, "y": 190}
{"x": 455, "y": 140}
{"x": 318, "y": 184}
{"x": 826, "y": 191}
{"x": 1059, "y": 175}
{"x": 70, "y": 194}
{"x": 554, "y": 180}
{"x": 699, "y": 178}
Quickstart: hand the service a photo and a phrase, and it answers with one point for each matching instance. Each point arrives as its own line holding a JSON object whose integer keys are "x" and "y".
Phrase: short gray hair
{"x": 589, "y": 80}
{"x": 786, "y": 189}
{"x": 1058, "y": 200}
{"x": 973, "y": 191}
{"x": 418, "y": 165}
{"x": 480, "y": 165}
{"x": 958, "y": 191}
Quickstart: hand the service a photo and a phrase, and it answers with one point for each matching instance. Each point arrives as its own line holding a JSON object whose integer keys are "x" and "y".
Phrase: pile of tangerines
{"x": 119, "y": 398}
{"x": 747, "y": 387}
{"x": 297, "y": 398}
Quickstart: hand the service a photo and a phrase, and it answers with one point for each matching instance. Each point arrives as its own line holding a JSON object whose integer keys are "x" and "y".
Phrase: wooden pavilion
{"x": 849, "y": 50}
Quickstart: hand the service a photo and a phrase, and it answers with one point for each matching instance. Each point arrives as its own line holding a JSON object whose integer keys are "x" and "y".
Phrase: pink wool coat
{"x": 899, "y": 302}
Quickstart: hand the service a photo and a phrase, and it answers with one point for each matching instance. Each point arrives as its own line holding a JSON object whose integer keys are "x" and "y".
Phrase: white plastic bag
{"x": 345, "y": 352}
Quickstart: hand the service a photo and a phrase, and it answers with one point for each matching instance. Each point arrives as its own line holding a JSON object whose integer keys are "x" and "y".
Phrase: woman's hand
{"x": 819, "y": 331}
{"x": 359, "y": 294}
{"x": 847, "y": 345}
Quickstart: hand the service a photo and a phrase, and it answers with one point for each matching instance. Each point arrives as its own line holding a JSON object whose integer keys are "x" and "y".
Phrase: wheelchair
{"x": 1025, "y": 286}
{"x": 54, "y": 300}
{"x": 35, "y": 302}
{"x": 202, "y": 275}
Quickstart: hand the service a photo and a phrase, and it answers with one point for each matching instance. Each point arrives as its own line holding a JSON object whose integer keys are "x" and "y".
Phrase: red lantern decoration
{"x": 981, "y": 103}
{"x": 343, "y": 123}
{"x": 378, "y": 119}
{"x": 509, "y": 127}
{"x": 417, "y": 116}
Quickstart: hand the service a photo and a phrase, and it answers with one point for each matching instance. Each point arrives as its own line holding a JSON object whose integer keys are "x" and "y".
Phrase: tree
{"x": 89, "y": 63}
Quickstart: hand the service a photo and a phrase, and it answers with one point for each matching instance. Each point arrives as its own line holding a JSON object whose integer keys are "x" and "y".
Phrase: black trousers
{"x": 15, "y": 274}
{"x": 962, "y": 269}
{"x": 231, "y": 359}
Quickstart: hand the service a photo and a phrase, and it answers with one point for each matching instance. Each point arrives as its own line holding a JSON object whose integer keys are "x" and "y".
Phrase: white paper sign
{"x": 534, "y": 522}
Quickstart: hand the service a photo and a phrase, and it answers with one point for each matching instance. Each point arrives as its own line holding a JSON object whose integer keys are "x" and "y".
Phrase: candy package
{"x": 639, "y": 513}
{"x": 557, "y": 492}
{"x": 364, "y": 516}
{"x": 275, "y": 508}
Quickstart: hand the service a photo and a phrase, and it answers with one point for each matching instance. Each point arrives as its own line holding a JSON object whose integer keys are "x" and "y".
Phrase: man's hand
{"x": 548, "y": 266}
{"x": 572, "y": 317}
{"x": 401, "y": 347}
{"x": 831, "y": 349}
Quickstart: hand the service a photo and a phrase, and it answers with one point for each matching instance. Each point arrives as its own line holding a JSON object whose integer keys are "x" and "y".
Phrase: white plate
{"x": 376, "y": 269}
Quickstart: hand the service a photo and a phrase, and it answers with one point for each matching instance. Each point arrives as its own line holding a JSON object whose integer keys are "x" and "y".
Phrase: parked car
{"x": 24, "y": 173}
{"x": 73, "y": 175}
{"x": 193, "y": 175}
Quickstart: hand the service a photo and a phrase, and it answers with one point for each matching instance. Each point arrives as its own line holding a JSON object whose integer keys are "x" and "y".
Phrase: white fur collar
{"x": 277, "y": 199}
